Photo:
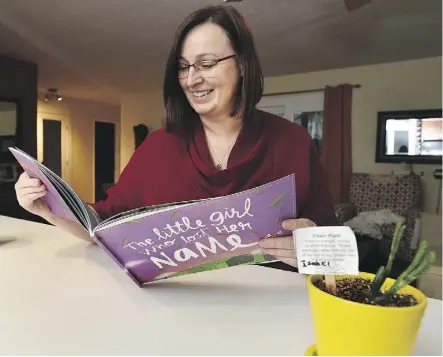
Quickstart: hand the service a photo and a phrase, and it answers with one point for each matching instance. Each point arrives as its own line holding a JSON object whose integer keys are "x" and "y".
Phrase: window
{"x": 305, "y": 109}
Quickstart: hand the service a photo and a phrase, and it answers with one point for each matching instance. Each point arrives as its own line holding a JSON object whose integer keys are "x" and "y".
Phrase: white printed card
{"x": 326, "y": 250}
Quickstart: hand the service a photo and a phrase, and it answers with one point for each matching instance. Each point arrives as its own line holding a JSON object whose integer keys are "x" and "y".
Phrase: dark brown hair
{"x": 179, "y": 113}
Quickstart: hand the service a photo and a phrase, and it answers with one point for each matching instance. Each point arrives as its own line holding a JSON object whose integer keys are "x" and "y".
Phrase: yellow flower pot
{"x": 347, "y": 328}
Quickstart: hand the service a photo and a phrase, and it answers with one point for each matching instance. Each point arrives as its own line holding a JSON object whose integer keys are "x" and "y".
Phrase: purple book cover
{"x": 165, "y": 241}
{"x": 210, "y": 234}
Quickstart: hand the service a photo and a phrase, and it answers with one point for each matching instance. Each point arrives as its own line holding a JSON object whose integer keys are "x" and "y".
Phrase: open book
{"x": 163, "y": 241}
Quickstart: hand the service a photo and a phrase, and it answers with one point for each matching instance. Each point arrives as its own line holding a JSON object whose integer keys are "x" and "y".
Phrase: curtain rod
{"x": 305, "y": 91}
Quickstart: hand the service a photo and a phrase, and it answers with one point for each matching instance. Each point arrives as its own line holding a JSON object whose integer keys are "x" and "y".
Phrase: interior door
{"x": 104, "y": 157}
{"x": 54, "y": 143}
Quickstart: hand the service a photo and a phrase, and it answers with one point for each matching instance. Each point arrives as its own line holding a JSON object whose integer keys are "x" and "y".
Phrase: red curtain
{"x": 336, "y": 148}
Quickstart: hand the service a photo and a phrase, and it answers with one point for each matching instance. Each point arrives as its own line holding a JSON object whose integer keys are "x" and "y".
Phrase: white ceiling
{"x": 99, "y": 49}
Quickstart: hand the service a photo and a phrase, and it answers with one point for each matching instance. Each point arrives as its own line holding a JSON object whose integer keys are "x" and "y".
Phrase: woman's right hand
{"x": 29, "y": 193}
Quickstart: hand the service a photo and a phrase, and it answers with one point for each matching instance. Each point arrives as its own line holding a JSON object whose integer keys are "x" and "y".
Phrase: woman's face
{"x": 210, "y": 90}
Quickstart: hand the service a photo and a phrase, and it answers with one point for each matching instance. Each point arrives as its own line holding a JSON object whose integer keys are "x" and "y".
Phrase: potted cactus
{"x": 369, "y": 314}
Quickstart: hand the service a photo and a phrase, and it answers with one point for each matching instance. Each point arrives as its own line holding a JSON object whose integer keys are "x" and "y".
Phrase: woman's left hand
{"x": 283, "y": 247}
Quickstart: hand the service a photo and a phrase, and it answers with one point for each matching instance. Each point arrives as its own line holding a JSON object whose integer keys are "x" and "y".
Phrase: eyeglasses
{"x": 204, "y": 65}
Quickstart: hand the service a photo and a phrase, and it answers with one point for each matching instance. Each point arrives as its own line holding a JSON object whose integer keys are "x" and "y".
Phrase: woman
{"x": 214, "y": 142}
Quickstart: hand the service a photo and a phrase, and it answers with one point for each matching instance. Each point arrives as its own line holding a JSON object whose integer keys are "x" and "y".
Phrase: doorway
{"x": 104, "y": 157}
{"x": 53, "y": 143}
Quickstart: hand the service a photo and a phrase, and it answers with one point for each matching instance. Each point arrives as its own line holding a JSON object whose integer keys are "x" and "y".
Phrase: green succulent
{"x": 422, "y": 261}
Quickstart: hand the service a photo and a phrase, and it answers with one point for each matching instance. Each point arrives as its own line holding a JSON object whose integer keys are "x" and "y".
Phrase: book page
{"x": 54, "y": 198}
{"x": 141, "y": 212}
{"x": 69, "y": 200}
{"x": 76, "y": 208}
{"x": 326, "y": 250}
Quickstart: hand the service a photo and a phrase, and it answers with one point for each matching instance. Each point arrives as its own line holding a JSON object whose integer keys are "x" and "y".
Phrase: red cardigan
{"x": 167, "y": 168}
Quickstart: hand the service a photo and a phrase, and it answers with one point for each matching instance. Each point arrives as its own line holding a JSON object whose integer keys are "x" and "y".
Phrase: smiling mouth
{"x": 201, "y": 94}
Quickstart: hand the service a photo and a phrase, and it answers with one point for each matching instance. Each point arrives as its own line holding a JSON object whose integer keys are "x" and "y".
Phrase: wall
{"x": 141, "y": 108}
{"x": 81, "y": 115}
{"x": 392, "y": 86}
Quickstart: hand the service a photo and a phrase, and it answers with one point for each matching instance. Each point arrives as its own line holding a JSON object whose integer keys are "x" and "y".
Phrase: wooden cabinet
{"x": 18, "y": 98}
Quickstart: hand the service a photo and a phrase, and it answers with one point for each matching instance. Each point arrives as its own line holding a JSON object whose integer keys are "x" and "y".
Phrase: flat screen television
{"x": 409, "y": 136}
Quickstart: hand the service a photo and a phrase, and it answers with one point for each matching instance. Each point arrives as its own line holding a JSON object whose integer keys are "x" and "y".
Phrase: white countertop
{"x": 62, "y": 296}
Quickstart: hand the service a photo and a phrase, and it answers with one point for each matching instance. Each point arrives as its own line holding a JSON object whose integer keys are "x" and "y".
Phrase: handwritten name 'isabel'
{"x": 307, "y": 263}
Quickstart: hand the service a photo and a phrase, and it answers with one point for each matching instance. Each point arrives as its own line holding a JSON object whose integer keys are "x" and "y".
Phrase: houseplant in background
{"x": 369, "y": 314}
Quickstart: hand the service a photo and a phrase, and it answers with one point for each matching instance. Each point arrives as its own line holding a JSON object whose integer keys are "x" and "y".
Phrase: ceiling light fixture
{"x": 52, "y": 95}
